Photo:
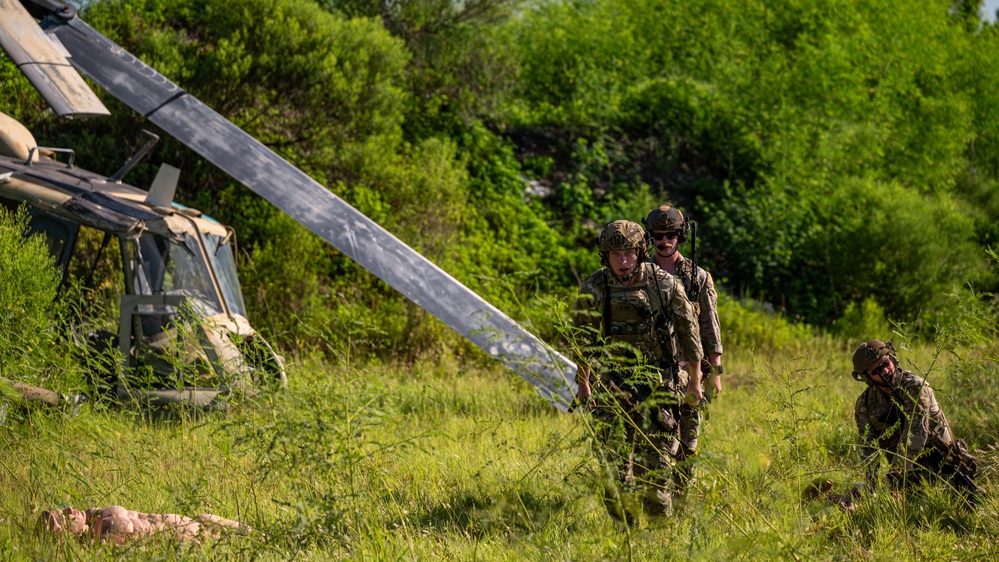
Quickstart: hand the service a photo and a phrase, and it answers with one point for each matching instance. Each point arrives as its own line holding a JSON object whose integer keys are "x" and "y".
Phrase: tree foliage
{"x": 815, "y": 143}
{"x": 28, "y": 283}
{"x": 835, "y": 155}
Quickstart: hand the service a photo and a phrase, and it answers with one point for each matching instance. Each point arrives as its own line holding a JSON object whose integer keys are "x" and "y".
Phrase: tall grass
{"x": 458, "y": 461}
{"x": 440, "y": 462}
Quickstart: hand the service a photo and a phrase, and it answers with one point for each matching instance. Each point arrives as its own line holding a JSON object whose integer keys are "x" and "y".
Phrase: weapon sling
{"x": 692, "y": 287}
{"x": 605, "y": 331}
{"x": 669, "y": 361}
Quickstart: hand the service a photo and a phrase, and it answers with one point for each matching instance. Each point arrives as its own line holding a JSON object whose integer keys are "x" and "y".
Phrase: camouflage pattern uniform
{"x": 899, "y": 410}
{"x": 700, "y": 289}
{"x": 909, "y": 417}
{"x": 706, "y": 307}
{"x": 638, "y": 392}
{"x": 709, "y": 329}
{"x": 911, "y": 410}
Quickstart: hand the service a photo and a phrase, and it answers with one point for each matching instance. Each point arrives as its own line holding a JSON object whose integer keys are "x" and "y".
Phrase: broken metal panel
{"x": 119, "y": 206}
{"x": 102, "y": 218}
{"x": 44, "y": 65}
{"x": 247, "y": 160}
{"x": 45, "y": 198}
{"x": 64, "y": 90}
{"x": 81, "y": 208}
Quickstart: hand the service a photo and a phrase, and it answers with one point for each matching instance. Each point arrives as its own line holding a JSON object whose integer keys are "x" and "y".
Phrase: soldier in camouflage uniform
{"x": 668, "y": 229}
{"x": 899, "y": 410}
{"x": 627, "y": 311}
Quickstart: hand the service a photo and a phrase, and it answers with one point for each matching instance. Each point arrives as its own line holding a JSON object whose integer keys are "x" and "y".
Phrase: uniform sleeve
{"x": 586, "y": 314}
{"x": 925, "y": 419}
{"x": 710, "y": 327}
{"x": 681, "y": 312}
{"x": 868, "y": 437}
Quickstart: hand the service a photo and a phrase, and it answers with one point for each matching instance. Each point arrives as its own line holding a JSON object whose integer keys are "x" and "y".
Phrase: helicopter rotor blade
{"x": 45, "y": 65}
{"x": 250, "y": 162}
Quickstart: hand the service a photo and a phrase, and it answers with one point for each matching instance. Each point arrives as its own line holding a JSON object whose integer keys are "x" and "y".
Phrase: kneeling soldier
{"x": 899, "y": 410}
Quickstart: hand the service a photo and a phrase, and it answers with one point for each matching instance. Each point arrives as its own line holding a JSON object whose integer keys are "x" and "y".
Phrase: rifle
{"x": 626, "y": 401}
{"x": 950, "y": 462}
{"x": 963, "y": 469}
{"x": 667, "y": 421}
{"x": 693, "y": 263}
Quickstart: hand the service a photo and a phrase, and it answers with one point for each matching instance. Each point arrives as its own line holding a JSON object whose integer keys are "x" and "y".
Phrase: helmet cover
{"x": 622, "y": 235}
{"x": 665, "y": 218}
{"x": 868, "y": 355}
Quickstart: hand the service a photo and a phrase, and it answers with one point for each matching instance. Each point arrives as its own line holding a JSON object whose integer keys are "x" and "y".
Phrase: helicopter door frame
{"x": 54, "y": 228}
{"x": 130, "y": 324}
{"x": 200, "y": 397}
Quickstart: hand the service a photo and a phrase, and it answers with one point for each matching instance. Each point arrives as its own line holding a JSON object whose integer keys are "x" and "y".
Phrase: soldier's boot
{"x": 658, "y": 502}
{"x": 684, "y": 473}
{"x": 619, "y": 504}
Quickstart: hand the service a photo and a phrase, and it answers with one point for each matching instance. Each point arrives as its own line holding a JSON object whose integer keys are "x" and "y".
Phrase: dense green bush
{"x": 865, "y": 240}
{"x": 812, "y": 144}
{"x": 778, "y": 126}
{"x": 28, "y": 284}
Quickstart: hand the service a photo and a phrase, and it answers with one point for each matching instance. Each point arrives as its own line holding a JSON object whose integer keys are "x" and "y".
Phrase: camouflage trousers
{"x": 950, "y": 462}
{"x": 646, "y": 448}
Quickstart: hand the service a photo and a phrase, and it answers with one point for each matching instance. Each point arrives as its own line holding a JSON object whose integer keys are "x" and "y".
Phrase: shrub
{"x": 28, "y": 285}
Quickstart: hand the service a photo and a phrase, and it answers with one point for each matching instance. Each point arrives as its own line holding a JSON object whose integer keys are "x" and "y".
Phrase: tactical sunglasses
{"x": 671, "y": 235}
{"x": 880, "y": 368}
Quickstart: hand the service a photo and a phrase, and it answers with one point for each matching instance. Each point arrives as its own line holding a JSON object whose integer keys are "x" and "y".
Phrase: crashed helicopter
{"x": 182, "y": 312}
{"x": 51, "y": 51}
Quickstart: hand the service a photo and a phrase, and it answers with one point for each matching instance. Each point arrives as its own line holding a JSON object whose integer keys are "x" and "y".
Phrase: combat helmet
{"x": 666, "y": 217}
{"x": 869, "y": 354}
{"x": 622, "y": 235}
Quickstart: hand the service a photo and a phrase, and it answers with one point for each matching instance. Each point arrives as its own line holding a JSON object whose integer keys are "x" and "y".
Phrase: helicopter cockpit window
{"x": 224, "y": 263}
{"x": 161, "y": 266}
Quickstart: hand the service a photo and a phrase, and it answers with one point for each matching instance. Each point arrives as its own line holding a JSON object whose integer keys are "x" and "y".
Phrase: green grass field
{"x": 446, "y": 462}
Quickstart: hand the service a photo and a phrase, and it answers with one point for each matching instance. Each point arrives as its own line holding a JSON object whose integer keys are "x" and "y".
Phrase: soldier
{"x": 668, "y": 229}
{"x": 899, "y": 410}
{"x": 629, "y": 308}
